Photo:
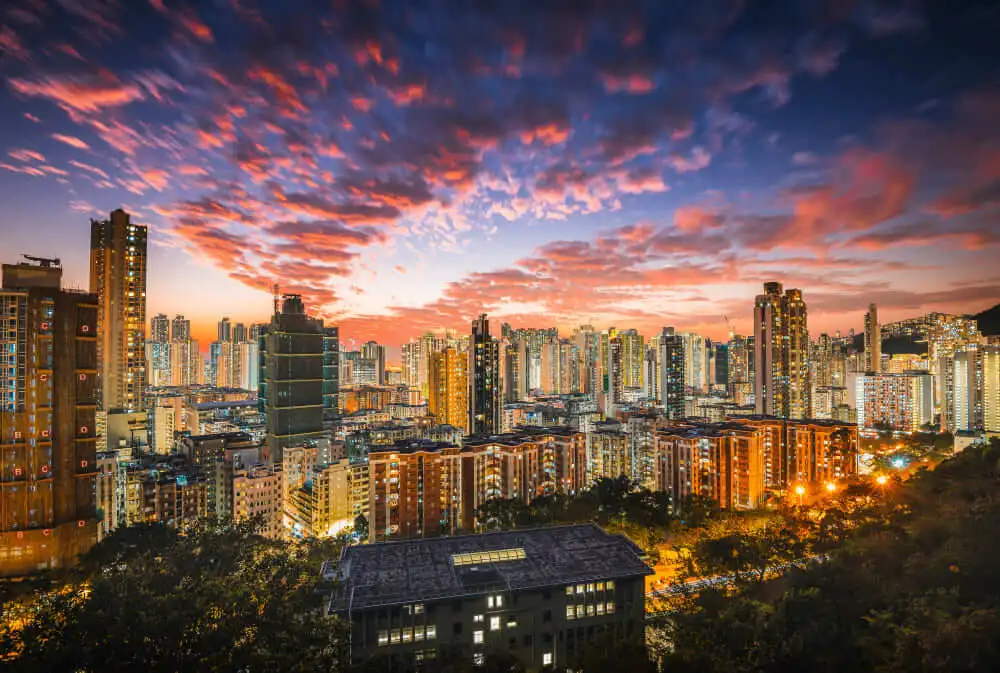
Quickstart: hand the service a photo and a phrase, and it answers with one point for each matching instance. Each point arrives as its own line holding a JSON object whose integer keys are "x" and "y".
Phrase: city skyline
{"x": 402, "y": 188}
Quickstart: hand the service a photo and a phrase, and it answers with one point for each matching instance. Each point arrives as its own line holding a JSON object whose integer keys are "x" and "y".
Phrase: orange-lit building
{"x": 448, "y": 387}
{"x": 526, "y": 464}
{"x": 414, "y": 489}
{"x": 48, "y": 401}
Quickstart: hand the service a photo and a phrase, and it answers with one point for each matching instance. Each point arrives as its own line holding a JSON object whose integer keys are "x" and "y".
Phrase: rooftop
{"x": 392, "y": 573}
{"x": 525, "y": 433}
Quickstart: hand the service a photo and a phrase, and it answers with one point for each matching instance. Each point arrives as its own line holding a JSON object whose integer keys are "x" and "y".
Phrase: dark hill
{"x": 989, "y": 321}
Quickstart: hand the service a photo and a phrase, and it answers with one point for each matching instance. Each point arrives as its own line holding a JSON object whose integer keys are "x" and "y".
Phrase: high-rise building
{"x": 375, "y": 353}
{"x": 180, "y": 328}
{"x": 449, "y": 388}
{"x": 158, "y": 352}
{"x": 901, "y": 402}
{"x": 991, "y": 388}
{"x": 633, "y": 353}
{"x": 48, "y": 434}
{"x": 873, "y": 341}
{"x": 291, "y": 383}
{"x": 516, "y": 370}
{"x": 781, "y": 353}
{"x": 961, "y": 382}
{"x": 118, "y": 278}
{"x": 331, "y": 375}
{"x": 739, "y": 355}
{"x": 225, "y": 330}
{"x": 486, "y": 397}
{"x": 672, "y": 372}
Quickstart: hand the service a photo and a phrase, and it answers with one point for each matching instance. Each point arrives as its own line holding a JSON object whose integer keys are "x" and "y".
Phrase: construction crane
{"x": 46, "y": 262}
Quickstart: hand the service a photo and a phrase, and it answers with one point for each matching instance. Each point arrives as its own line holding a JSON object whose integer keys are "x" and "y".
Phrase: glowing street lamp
{"x": 831, "y": 487}
{"x": 800, "y": 490}
{"x": 881, "y": 480}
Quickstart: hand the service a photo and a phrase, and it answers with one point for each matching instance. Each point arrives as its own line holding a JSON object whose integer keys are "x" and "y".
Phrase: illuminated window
{"x": 383, "y": 638}
{"x": 511, "y": 622}
{"x": 547, "y": 659}
{"x": 418, "y": 633}
{"x": 418, "y": 609}
{"x": 569, "y": 590}
{"x": 477, "y": 637}
{"x": 478, "y": 659}
{"x": 407, "y": 635}
{"x": 600, "y": 608}
{"x": 579, "y": 588}
{"x": 431, "y": 632}
{"x": 590, "y": 610}
{"x": 590, "y": 588}
{"x": 611, "y": 607}
{"x": 394, "y": 636}
{"x": 499, "y": 601}
{"x": 494, "y": 623}
{"x": 570, "y": 612}
{"x": 581, "y": 611}
{"x": 600, "y": 586}
{"x": 609, "y": 585}
{"x": 477, "y": 619}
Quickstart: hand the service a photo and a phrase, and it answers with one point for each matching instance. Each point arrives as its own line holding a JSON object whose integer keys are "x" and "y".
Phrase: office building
{"x": 672, "y": 373}
{"x": 48, "y": 434}
{"x": 486, "y": 396}
{"x": 158, "y": 365}
{"x": 292, "y": 381}
{"x": 542, "y": 595}
{"x": 331, "y": 376}
{"x": 118, "y": 279}
{"x": 873, "y": 341}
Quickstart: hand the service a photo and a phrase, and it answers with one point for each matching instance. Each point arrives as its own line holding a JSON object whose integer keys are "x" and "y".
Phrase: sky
{"x": 405, "y": 166}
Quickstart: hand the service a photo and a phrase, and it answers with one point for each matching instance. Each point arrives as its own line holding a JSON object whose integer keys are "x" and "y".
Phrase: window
{"x": 431, "y": 632}
{"x": 418, "y": 633}
{"x": 570, "y": 612}
{"x": 494, "y": 623}
{"x": 418, "y": 609}
{"x": 600, "y": 608}
{"x": 569, "y": 590}
{"x": 609, "y": 585}
{"x": 600, "y": 586}
{"x": 579, "y": 588}
{"x": 477, "y": 659}
{"x": 580, "y": 611}
{"x": 477, "y": 637}
{"x": 477, "y": 619}
{"x": 489, "y": 602}
{"x": 547, "y": 616}
{"x": 383, "y": 638}
{"x": 547, "y": 659}
{"x": 511, "y": 622}
{"x": 407, "y": 635}
{"x": 590, "y": 610}
{"x": 590, "y": 588}
{"x": 475, "y": 558}
{"x": 499, "y": 601}
{"x": 611, "y": 607}
{"x": 394, "y": 637}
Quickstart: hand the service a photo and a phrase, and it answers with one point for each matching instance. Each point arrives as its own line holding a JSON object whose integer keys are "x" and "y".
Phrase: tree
{"x": 217, "y": 598}
{"x": 361, "y": 527}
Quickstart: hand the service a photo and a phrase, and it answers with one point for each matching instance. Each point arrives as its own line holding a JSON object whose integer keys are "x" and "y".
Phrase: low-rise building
{"x": 541, "y": 594}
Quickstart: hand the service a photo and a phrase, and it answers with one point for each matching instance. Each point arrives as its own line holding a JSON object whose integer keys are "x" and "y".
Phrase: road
{"x": 697, "y": 584}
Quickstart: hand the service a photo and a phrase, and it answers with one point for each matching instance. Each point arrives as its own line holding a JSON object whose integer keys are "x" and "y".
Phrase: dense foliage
{"x": 149, "y": 598}
{"x": 914, "y": 585}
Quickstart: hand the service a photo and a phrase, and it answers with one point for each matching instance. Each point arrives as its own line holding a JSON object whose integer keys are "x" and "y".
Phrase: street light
{"x": 800, "y": 491}
{"x": 831, "y": 487}
{"x": 881, "y": 480}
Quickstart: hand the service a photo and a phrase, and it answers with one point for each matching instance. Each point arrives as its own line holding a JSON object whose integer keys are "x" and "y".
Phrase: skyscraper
{"x": 180, "y": 328}
{"x": 873, "y": 341}
{"x": 485, "y": 399}
{"x": 449, "y": 388}
{"x": 225, "y": 330}
{"x": 375, "y": 353}
{"x": 781, "y": 353}
{"x": 158, "y": 351}
{"x": 331, "y": 375}
{"x": 118, "y": 278}
{"x": 672, "y": 364}
{"x": 48, "y": 433}
{"x": 291, "y": 384}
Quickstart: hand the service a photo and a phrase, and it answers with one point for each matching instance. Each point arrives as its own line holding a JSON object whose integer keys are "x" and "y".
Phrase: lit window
{"x": 579, "y": 588}
{"x": 499, "y": 601}
{"x": 581, "y": 611}
{"x": 511, "y": 622}
{"x": 569, "y": 590}
{"x": 600, "y": 608}
{"x": 547, "y": 659}
{"x": 394, "y": 636}
{"x": 590, "y": 610}
{"x": 609, "y": 585}
{"x": 477, "y": 619}
{"x": 477, "y": 637}
{"x": 431, "y": 632}
{"x": 418, "y": 633}
{"x": 494, "y": 623}
{"x": 418, "y": 609}
{"x": 383, "y": 638}
{"x": 407, "y": 635}
{"x": 600, "y": 586}
{"x": 590, "y": 588}
{"x": 611, "y": 607}
{"x": 478, "y": 659}
{"x": 489, "y": 601}
{"x": 570, "y": 612}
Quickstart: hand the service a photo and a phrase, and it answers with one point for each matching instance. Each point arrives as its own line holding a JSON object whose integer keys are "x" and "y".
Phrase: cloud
{"x": 86, "y": 94}
{"x": 72, "y": 141}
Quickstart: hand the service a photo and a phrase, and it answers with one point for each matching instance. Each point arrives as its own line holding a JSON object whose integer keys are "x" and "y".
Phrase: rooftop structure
{"x": 393, "y": 573}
